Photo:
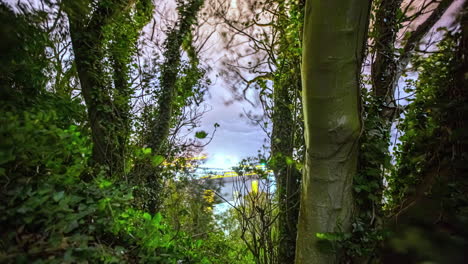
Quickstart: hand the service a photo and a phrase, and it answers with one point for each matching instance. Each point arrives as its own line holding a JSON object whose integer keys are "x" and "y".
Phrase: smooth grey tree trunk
{"x": 334, "y": 37}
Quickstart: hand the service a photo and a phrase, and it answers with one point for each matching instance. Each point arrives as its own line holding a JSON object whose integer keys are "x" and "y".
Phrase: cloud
{"x": 235, "y": 139}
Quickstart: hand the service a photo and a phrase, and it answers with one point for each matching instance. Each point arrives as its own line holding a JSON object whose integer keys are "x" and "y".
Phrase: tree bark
{"x": 384, "y": 67}
{"x": 334, "y": 38}
{"x": 286, "y": 127}
{"x": 169, "y": 70}
{"x": 87, "y": 47}
{"x": 160, "y": 124}
{"x": 108, "y": 116}
{"x": 286, "y": 174}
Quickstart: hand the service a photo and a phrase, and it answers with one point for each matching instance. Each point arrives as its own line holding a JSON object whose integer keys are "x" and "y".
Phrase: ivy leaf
{"x": 201, "y": 134}
{"x": 104, "y": 183}
{"x": 157, "y": 219}
{"x": 199, "y": 243}
{"x": 157, "y": 160}
{"x": 58, "y": 196}
{"x": 146, "y": 151}
{"x": 147, "y": 216}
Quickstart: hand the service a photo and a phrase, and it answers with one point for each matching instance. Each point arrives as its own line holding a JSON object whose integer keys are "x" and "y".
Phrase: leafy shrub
{"x": 49, "y": 215}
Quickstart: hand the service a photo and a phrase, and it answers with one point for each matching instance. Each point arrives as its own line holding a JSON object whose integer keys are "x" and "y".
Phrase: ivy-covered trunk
{"x": 384, "y": 67}
{"x": 334, "y": 38}
{"x": 428, "y": 190}
{"x": 167, "y": 105}
{"x": 381, "y": 109}
{"x": 286, "y": 174}
{"x": 169, "y": 73}
{"x": 287, "y": 125}
{"x": 108, "y": 107}
{"x": 87, "y": 39}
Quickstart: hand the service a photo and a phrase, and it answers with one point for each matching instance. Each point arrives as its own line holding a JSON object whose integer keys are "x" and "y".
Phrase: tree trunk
{"x": 88, "y": 50}
{"x": 108, "y": 108}
{"x": 287, "y": 124}
{"x": 384, "y": 67}
{"x": 334, "y": 38}
{"x": 169, "y": 71}
{"x": 160, "y": 125}
{"x": 286, "y": 174}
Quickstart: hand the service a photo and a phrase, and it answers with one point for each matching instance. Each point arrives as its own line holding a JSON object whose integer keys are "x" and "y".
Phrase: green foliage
{"x": 374, "y": 157}
{"x": 40, "y": 140}
{"x": 425, "y": 122}
{"x": 49, "y": 215}
{"x": 201, "y": 134}
{"x": 89, "y": 222}
{"x": 427, "y": 190}
{"x": 189, "y": 206}
{"x": 374, "y": 164}
{"x": 23, "y": 61}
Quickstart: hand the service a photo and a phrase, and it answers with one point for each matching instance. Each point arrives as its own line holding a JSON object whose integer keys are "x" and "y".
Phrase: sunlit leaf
{"x": 157, "y": 160}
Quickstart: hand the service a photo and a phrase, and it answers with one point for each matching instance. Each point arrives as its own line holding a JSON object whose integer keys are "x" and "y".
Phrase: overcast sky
{"x": 236, "y": 138}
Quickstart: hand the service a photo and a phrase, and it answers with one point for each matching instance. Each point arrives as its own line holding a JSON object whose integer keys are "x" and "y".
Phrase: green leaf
{"x": 201, "y": 134}
{"x": 330, "y": 236}
{"x": 58, "y": 196}
{"x": 157, "y": 160}
{"x": 199, "y": 243}
{"x": 146, "y": 151}
{"x": 104, "y": 183}
{"x": 157, "y": 219}
{"x": 147, "y": 216}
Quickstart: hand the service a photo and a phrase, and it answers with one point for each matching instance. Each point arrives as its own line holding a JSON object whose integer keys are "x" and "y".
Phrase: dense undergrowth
{"x": 50, "y": 215}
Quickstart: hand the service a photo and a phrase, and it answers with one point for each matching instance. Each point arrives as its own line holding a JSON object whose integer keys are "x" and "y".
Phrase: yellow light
{"x": 255, "y": 186}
